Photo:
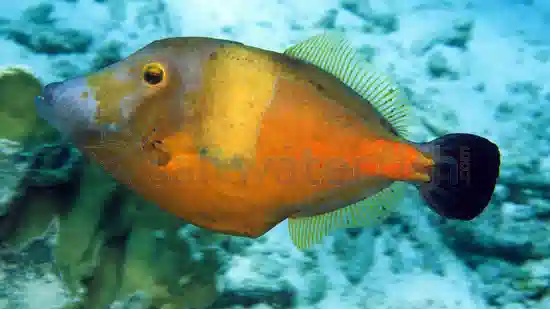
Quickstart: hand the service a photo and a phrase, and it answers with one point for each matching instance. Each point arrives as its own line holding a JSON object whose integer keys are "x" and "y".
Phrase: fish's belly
{"x": 252, "y": 199}
{"x": 238, "y": 202}
{"x": 244, "y": 201}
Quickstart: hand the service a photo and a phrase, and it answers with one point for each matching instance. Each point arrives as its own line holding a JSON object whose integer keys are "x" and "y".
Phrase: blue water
{"x": 72, "y": 237}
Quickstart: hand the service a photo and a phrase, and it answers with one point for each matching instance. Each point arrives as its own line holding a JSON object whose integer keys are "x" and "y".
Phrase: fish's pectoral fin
{"x": 307, "y": 231}
{"x": 156, "y": 152}
{"x": 155, "y": 149}
{"x": 332, "y": 53}
{"x": 161, "y": 158}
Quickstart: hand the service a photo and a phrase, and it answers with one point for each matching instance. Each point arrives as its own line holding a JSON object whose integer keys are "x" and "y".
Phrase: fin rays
{"x": 332, "y": 53}
{"x": 307, "y": 231}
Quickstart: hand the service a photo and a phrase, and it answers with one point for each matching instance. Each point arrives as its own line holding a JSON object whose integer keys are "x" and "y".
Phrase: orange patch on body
{"x": 309, "y": 151}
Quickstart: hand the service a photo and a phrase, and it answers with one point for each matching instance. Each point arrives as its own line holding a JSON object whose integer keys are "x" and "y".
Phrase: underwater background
{"x": 71, "y": 237}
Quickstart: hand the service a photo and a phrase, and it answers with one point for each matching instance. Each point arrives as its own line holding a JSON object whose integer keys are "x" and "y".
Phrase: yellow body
{"x": 255, "y": 138}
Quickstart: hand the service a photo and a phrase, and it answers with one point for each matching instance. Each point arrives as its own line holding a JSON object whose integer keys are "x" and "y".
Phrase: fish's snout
{"x": 47, "y": 93}
{"x": 46, "y": 97}
{"x": 68, "y": 106}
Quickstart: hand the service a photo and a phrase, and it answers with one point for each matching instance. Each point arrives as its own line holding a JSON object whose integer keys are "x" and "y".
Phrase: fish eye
{"x": 153, "y": 73}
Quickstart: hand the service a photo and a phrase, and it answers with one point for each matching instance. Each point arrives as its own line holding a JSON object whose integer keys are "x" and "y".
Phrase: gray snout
{"x": 68, "y": 106}
{"x": 47, "y": 94}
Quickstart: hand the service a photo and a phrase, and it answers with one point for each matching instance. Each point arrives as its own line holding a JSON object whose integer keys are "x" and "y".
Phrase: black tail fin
{"x": 464, "y": 177}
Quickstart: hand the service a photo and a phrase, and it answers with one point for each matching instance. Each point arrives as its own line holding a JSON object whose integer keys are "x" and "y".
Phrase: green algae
{"x": 110, "y": 244}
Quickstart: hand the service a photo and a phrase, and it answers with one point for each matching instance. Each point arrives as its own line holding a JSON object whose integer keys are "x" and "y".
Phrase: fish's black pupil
{"x": 153, "y": 76}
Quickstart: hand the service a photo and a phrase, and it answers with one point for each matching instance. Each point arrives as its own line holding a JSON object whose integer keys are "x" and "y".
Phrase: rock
{"x": 420, "y": 291}
{"x": 39, "y": 32}
{"x": 64, "y": 46}
{"x": 355, "y": 254}
{"x": 259, "y": 276}
{"x": 317, "y": 284}
{"x": 27, "y": 276}
{"x": 457, "y": 35}
{"x": 381, "y": 23}
{"x": 13, "y": 173}
{"x": 514, "y": 228}
{"x": 135, "y": 301}
{"x": 111, "y": 244}
{"x": 537, "y": 278}
{"x": 367, "y": 52}
{"x": 544, "y": 304}
{"x": 500, "y": 282}
{"x": 24, "y": 159}
{"x": 277, "y": 296}
{"x": 374, "y": 22}
{"x": 50, "y": 164}
{"x": 107, "y": 54}
{"x": 513, "y": 306}
{"x": 439, "y": 66}
{"x": 329, "y": 20}
{"x": 261, "y": 306}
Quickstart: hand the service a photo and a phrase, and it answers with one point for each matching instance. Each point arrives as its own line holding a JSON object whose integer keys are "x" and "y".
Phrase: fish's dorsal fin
{"x": 307, "y": 231}
{"x": 332, "y": 53}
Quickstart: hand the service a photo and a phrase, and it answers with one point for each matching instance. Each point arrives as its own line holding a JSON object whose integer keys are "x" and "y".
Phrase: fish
{"x": 237, "y": 139}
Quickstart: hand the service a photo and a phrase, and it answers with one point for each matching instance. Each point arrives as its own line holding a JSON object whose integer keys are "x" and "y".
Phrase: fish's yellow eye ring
{"x": 154, "y": 75}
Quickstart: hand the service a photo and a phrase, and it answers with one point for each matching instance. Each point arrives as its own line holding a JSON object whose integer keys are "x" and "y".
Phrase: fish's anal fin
{"x": 307, "y": 231}
{"x": 332, "y": 53}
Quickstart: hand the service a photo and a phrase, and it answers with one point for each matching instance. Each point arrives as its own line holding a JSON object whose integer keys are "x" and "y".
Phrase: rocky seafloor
{"x": 71, "y": 237}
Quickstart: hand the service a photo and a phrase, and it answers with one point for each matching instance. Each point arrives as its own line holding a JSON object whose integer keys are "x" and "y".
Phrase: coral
{"x": 18, "y": 119}
{"x": 27, "y": 276}
{"x": 20, "y": 128}
{"x": 111, "y": 244}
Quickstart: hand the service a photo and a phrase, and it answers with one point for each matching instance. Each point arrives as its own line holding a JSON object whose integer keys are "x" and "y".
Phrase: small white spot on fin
{"x": 332, "y": 53}
{"x": 307, "y": 231}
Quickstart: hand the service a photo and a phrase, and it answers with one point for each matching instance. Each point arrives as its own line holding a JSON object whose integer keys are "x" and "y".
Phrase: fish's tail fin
{"x": 464, "y": 176}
